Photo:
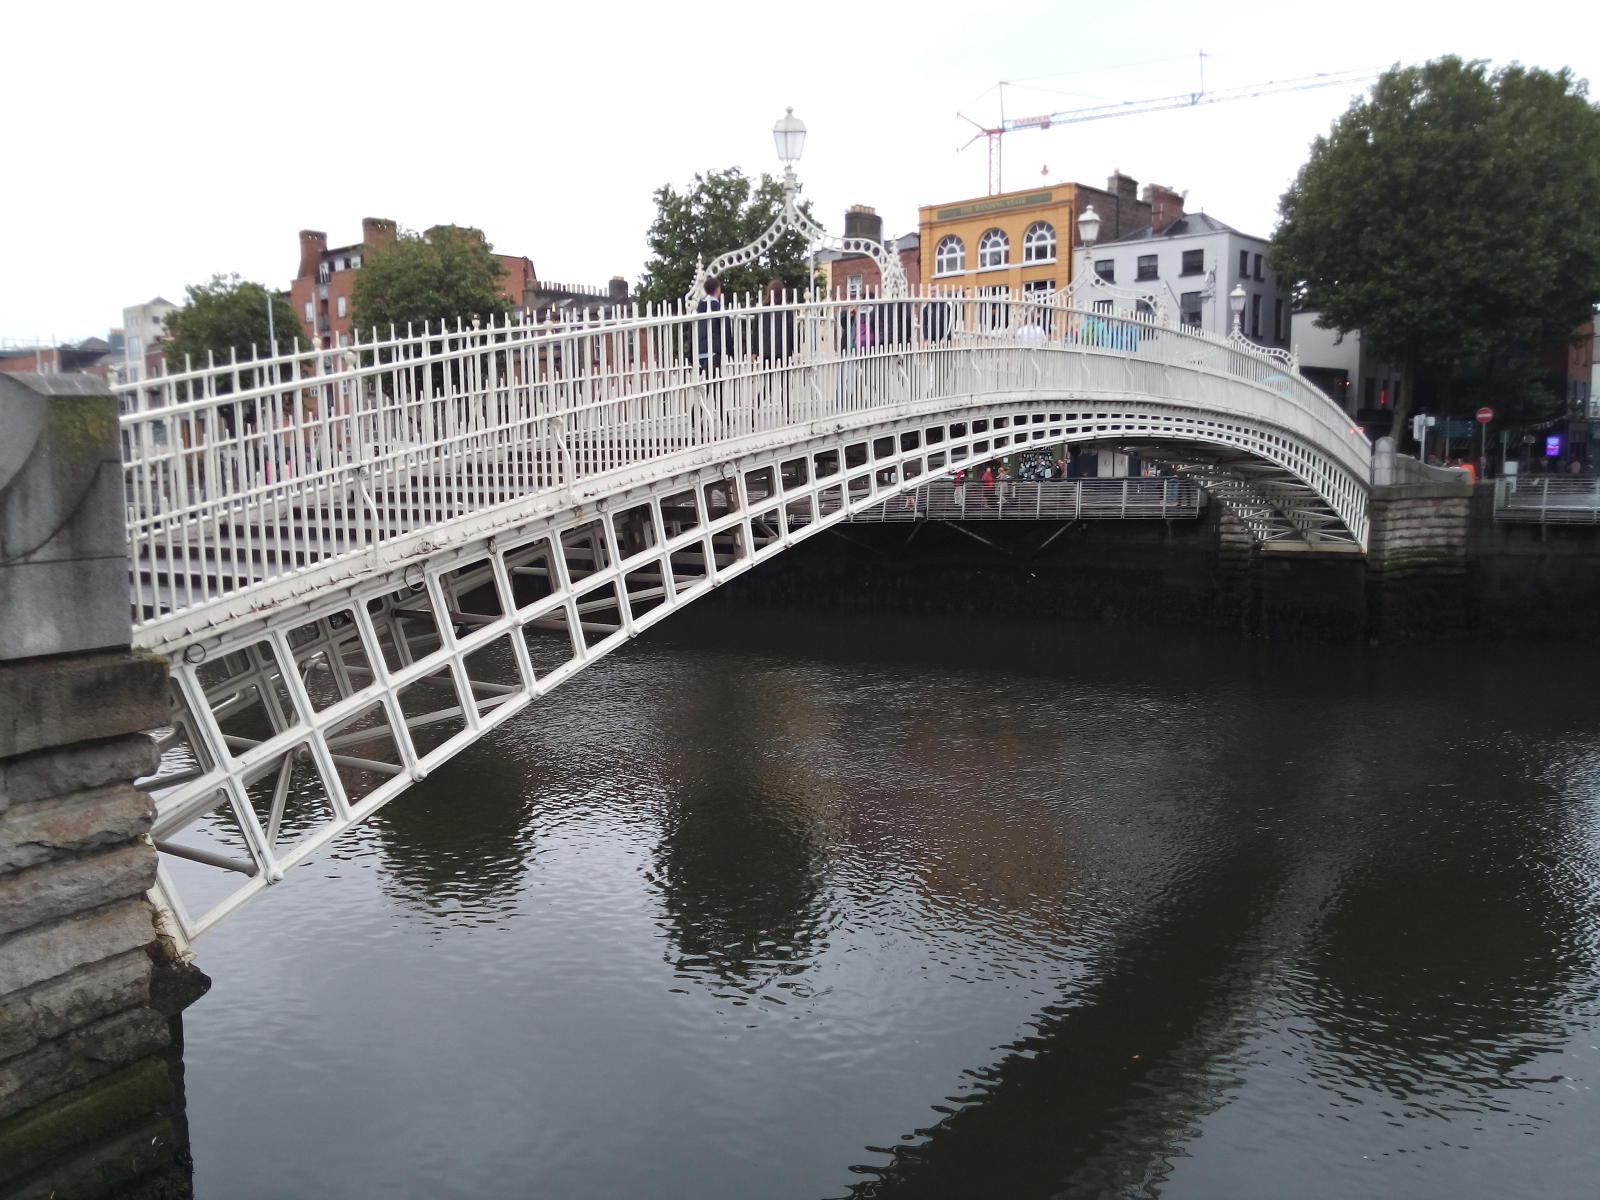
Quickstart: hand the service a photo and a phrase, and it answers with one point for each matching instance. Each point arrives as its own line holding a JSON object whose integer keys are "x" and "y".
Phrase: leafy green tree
{"x": 1451, "y": 217}
{"x": 719, "y": 212}
{"x": 227, "y": 315}
{"x": 445, "y": 274}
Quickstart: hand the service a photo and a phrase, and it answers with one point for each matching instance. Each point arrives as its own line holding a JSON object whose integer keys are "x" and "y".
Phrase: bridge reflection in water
{"x": 361, "y": 562}
{"x": 943, "y": 909}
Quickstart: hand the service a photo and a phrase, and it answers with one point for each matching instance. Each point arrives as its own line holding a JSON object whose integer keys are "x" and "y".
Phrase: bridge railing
{"x": 242, "y": 473}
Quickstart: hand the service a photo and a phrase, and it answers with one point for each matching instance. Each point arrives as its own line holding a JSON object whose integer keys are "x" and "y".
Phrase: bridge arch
{"x": 349, "y": 603}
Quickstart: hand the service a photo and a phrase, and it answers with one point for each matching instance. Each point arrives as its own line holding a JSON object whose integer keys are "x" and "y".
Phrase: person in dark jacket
{"x": 713, "y": 336}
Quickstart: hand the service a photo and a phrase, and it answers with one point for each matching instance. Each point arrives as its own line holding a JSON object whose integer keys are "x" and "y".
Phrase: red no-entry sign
{"x": 1485, "y": 415}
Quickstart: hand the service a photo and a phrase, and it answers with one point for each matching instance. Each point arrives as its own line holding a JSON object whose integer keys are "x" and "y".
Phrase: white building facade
{"x": 143, "y": 328}
{"x": 1191, "y": 264}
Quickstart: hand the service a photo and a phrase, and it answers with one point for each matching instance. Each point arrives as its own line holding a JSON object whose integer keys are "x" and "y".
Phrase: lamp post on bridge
{"x": 789, "y": 136}
{"x": 1088, "y": 235}
{"x": 1236, "y": 303}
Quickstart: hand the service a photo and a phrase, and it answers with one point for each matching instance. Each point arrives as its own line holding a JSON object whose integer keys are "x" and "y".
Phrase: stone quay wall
{"x": 90, "y": 1086}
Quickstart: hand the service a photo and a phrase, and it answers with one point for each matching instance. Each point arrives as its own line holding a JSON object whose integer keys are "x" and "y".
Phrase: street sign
{"x": 1485, "y": 415}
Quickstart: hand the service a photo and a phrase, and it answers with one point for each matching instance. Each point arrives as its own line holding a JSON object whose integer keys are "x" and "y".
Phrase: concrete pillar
{"x": 90, "y": 1103}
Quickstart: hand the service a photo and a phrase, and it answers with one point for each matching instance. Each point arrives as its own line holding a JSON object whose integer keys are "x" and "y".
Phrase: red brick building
{"x": 323, "y": 291}
{"x": 853, "y": 274}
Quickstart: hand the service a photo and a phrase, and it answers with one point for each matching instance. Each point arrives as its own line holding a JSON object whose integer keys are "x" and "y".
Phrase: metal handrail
{"x": 242, "y": 474}
{"x": 1548, "y": 499}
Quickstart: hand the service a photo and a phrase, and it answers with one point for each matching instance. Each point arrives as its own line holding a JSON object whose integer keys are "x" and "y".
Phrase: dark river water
{"x": 770, "y": 907}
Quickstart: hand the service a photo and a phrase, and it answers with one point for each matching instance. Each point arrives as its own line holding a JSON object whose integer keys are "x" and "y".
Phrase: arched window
{"x": 994, "y": 248}
{"x": 1039, "y": 243}
{"x": 950, "y": 256}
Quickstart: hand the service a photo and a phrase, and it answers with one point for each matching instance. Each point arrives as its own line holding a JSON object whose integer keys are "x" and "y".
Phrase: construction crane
{"x": 1129, "y": 108}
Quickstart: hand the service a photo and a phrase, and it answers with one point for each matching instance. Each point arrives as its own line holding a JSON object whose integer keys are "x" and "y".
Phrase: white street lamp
{"x": 1088, "y": 234}
{"x": 790, "y": 135}
{"x": 1089, "y": 226}
{"x": 1236, "y": 303}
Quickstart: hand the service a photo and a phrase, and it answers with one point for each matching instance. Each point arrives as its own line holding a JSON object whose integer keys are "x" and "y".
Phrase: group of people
{"x": 993, "y": 485}
{"x": 860, "y": 326}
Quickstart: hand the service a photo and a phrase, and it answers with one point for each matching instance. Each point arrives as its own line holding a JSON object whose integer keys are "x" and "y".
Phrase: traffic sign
{"x": 1485, "y": 415}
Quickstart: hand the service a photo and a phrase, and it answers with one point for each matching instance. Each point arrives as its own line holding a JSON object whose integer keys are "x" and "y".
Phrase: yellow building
{"x": 1021, "y": 243}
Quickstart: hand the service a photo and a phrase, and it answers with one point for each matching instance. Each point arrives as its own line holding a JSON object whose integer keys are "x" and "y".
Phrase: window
{"x": 355, "y": 262}
{"x": 341, "y": 306}
{"x": 951, "y": 256}
{"x": 1194, "y": 262}
{"x": 994, "y": 249}
{"x": 309, "y": 313}
{"x": 338, "y": 264}
{"x": 344, "y": 339}
{"x": 1147, "y": 267}
{"x": 852, "y": 286}
{"x": 1038, "y": 289}
{"x": 1039, "y": 243}
{"x": 1258, "y": 266}
{"x": 1277, "y": 320}
{"x": 1189, "y": 308}
{"x": 135, "y": 348}
{"x": 322, "y": 272}
{"x": 1255, "y": 315}
{"x": 994, "y": 314}
{"x": 1244, "y": 264}
{"x": 1106, "y": 268}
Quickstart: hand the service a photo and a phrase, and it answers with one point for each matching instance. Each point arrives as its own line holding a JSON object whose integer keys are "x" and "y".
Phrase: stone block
{"x": 66, "y": 887}
{"x": 48, "y": 951}
{"x": 55, "y": 1067}
{"x": 31, "y": 834}
{"x": 63, "y": 585}
{"x": 47, "y": 773}
{"x": 55, "y": 702}
{"x": 50, "y": 1009}
{"x": 91, "y": 1115}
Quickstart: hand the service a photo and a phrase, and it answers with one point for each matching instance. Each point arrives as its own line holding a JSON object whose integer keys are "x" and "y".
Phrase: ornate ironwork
{"x": 791, "y": 219}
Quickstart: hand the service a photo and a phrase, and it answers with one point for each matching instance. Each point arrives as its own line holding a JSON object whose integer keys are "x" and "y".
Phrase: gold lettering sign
{"x": 985, "y": 206}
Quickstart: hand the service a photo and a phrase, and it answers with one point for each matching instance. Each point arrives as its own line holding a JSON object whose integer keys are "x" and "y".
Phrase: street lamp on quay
{"x": 789, "y": 136}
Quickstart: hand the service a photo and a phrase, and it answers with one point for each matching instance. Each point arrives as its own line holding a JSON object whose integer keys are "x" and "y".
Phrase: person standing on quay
{"x": 988, "y": 485}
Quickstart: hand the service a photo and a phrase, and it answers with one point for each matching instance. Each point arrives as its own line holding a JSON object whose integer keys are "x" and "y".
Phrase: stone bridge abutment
{"x": 90, "y": 1103}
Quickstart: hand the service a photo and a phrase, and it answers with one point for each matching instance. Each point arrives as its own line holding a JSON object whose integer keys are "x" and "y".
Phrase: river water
{"x": 770, "y": 907}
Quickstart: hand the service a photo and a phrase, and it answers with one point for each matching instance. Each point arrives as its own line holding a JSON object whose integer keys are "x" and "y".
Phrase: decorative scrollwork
{"x": 1082, "y": 292}
{"x": 791, "y": 218}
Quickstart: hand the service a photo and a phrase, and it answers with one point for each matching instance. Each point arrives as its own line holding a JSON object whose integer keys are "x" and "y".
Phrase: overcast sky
{"x": 154, "y": 145}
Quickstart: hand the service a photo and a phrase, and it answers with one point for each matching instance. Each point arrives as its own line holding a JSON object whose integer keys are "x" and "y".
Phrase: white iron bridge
{"x": 362, "y": 560}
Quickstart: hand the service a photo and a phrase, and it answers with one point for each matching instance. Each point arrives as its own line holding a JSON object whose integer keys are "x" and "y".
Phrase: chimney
{"x": 617, "y": 290}
{"x": 1166, "y": 206}
{"x": 375, "y": 231}
{"x": 1124, "y": 187}
{"x": 313, "y": 245}
{"x": 860, "y": 221}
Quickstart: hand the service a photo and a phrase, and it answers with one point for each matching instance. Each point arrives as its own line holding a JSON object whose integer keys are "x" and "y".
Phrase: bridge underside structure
{"x": 362, "y": 562}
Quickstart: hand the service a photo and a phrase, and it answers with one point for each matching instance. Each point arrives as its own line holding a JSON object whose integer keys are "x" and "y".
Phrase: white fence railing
{"x": 1548, "y": 499}
{"x": 250, "y": 471}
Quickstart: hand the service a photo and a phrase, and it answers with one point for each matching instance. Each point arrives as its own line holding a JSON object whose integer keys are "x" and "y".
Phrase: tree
{"x": 225, "y": 316}
{"x": 719, "y": 212}
{"x": 1451, "y": 217}
{"x": 445, "y": 274}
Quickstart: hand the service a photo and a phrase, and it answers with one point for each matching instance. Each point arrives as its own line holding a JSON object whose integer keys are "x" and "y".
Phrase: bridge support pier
{"x": 90, "y": 1099}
